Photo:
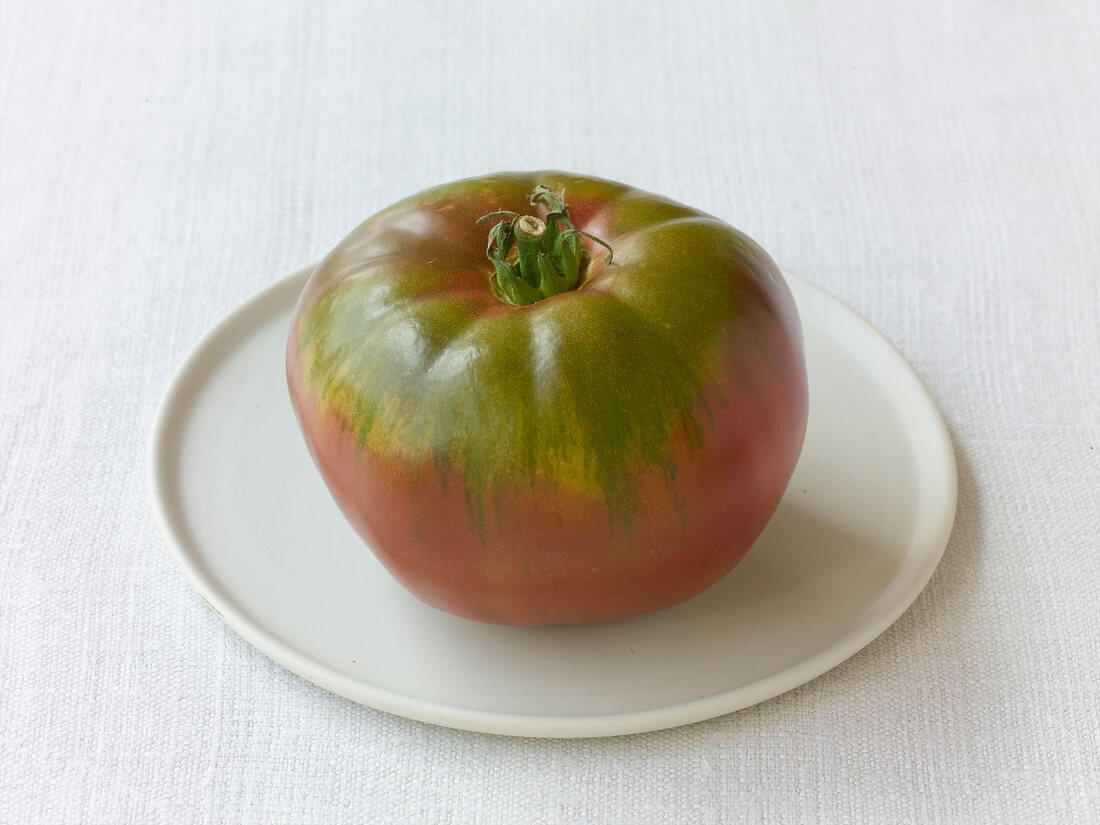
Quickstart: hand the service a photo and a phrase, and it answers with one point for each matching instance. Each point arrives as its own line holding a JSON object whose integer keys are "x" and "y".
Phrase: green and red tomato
{"x": 543, "y": 398}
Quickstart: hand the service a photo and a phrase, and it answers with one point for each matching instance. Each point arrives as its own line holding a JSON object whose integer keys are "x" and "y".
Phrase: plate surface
{"x": 859, "y": 532}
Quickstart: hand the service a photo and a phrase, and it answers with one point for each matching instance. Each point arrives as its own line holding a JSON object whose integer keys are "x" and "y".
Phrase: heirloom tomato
{"x": 544, "y": 398}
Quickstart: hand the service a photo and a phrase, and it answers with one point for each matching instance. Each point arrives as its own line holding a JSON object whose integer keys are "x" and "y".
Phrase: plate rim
{"x": 173, "y": 404}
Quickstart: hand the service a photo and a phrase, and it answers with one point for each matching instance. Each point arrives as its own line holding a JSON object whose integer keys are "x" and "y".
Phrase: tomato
{"x": 596, "y": 419}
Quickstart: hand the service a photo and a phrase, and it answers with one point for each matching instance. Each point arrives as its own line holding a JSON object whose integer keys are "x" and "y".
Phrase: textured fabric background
{"x": 934, "y": 164}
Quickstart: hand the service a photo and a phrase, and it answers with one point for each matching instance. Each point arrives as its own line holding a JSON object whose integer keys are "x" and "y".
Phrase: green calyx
{"x": 534, "y": 258}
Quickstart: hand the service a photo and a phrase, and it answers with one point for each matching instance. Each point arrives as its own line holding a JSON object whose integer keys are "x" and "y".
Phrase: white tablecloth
{"x": 934, "y": 164}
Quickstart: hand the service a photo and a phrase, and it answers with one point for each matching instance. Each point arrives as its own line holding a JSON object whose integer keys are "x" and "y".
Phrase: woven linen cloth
{"x": 934, "y": 164}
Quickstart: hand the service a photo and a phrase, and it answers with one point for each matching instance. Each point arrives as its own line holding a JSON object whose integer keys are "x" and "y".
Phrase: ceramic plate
{"x": 862, "y": 526}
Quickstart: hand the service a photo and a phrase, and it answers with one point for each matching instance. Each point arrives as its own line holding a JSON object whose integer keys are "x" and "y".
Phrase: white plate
{"x": 857, "y": 536}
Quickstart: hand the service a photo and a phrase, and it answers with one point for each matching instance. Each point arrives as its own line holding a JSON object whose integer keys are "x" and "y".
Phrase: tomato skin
{"x": 604, "y": 452}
